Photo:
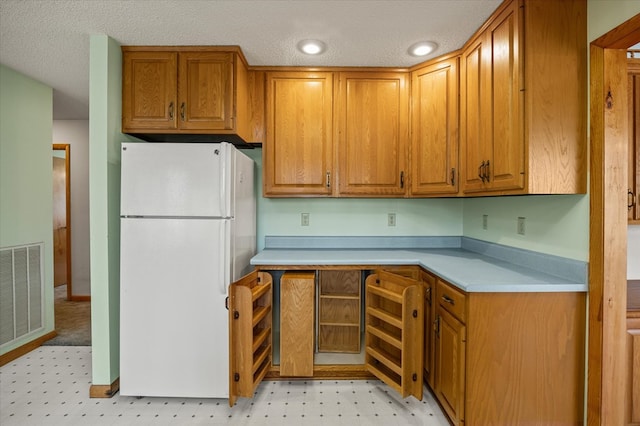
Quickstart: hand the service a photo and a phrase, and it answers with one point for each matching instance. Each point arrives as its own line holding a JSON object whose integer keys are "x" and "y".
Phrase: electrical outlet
{"x": 304, "y": 219}
{"x": 521, "y": 225}
{"x": 485, "y": 221}
{"x": 391, "y": 219}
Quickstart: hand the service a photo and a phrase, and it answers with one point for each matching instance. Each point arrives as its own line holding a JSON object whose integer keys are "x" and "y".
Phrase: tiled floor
{"x": 50, "y": 386}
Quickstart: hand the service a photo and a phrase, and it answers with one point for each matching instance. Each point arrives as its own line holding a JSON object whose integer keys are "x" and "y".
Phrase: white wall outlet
{"x": 521, "y": 225}
{"x": 391, "y": 219}
{"x": 485, "y": 221}
{"x": 304, "y": 219}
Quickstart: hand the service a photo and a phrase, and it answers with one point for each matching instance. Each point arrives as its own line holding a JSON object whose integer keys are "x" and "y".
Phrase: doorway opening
{"x": 62, "y": 217}
{"x": 606, "y": 391}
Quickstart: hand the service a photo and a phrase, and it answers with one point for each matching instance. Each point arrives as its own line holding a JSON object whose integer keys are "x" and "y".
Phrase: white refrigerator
{"x": 188, "y": 230}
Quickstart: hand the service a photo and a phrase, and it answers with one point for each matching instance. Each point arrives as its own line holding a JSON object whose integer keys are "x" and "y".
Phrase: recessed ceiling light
{"x": 311, "y": 47}
{"x": 422, "y": 48}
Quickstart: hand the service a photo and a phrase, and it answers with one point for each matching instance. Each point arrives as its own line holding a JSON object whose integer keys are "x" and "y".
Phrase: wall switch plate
{"x": 391, "y": 219}
{"x": 304, "y": 219}
{"x": 485, "y": 221}
{"x": 521, "y": 225}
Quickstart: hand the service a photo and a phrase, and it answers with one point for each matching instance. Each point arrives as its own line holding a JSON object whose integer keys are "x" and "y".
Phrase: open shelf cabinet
{"x": 394, "y": 331}
{"x": 250, "y": 320}
{"x": 339, "y": 311}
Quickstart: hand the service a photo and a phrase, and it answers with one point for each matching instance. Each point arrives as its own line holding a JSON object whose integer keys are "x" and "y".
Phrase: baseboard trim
{"x": 80, "y": 298}
{"x": 104, "y": 391}
{"x": 26, "y": 348}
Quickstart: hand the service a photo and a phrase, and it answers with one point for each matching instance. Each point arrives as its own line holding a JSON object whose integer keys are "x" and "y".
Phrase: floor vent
{"x": 21, "y": 292}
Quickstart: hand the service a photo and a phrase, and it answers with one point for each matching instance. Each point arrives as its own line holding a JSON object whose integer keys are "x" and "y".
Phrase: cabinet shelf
{"x": 389, "y": 360}
{"x": 250, "y": 328}
{"x": 339, "y": 311}
{"x": 349, "y": 296}
{"x": 394, "y": 331}
{"x": 385, "y": 316}
{"x": 259, "y": 313}
{"x": 385, "y": 336}
{"x": 341, "y": 324}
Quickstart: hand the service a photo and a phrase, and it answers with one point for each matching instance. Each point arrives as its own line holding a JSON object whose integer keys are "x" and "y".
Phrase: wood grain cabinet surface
{"x": 523, "y": 91}
{"x": 450, "y": 351}
{"x": 185, "y": 90}
{"x": 339, "y": 311}
{"x": 298, "y": 153}
{"x": 394, "y": 331}
{"x": 372, "y": 134}
{"x": 633, "y": 67}
{"x": 434, "y": 136}
{"x": 632, "y": 402}
{"x": 297, "y": 323}
{"x": 250, "y": 333}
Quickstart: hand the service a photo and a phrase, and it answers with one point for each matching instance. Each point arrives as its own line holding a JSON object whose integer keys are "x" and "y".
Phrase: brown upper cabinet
{"x": 372, "y": 134}
{"x": 523, "y": 101}
{"x": 298, "y": 153}
{"x": 185, "y": 90}
{"x": 434, "y": 136}
{"x": 366, "y": 113}
{"x": 504, "y": 115}
{"x": 633, "y": 66}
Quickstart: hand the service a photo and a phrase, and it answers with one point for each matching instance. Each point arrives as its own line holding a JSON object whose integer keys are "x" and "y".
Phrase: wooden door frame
{"x": 608, "y": 224}
{"x": 67, "y": 170}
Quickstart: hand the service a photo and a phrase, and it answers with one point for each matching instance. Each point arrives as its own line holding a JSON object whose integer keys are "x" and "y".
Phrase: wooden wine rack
{"x": 394, "y": 331}
{"x": 250, "y": 319}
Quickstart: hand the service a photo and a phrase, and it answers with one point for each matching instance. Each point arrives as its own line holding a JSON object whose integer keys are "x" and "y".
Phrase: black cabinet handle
{"x": 631, "y": 196}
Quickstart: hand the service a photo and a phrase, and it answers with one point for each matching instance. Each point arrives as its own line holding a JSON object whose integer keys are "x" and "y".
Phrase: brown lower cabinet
{"x": 632, "y": 403}
{"x": 490, "y": 358}
{"x": 509, "y": 358}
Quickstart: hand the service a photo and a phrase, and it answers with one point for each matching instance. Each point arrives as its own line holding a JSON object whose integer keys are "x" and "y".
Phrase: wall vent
{"x": 21, "y": 292}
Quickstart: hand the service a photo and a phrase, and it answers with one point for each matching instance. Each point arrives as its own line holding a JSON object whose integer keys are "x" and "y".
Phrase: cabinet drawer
{"x": 452, "y": 300}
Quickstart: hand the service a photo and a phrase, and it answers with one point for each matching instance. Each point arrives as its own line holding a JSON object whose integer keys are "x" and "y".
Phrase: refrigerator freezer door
{"x": 177, "y": 179}
{"x": 174, "y": 326}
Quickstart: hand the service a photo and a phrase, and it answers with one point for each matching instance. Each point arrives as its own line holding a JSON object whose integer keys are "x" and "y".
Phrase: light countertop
{"x": 468, "y": 270}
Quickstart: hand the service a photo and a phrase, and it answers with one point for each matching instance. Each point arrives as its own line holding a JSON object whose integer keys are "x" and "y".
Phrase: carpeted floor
{"x": 72, "y": 321}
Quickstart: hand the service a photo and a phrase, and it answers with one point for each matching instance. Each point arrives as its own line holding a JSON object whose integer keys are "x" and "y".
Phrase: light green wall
{"x": 353, "y": 216}
{"x": 554, "y": 224}
{"x": 604, "y": 15}
{"x": 104, "y": 185}
{"x": 26, "y": 200}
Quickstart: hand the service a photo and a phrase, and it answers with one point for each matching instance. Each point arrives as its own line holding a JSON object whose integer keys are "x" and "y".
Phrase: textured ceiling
{"x": 48, "y": 40}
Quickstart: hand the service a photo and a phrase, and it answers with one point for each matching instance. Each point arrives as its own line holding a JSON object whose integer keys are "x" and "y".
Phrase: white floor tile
{"x": 50, "y": 386}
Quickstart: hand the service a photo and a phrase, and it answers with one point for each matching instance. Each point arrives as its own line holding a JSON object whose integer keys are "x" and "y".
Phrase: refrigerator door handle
{"x": 224, "y": 254}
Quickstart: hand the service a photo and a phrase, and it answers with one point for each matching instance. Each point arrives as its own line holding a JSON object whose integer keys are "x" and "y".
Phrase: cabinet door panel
{"x": 634, "y": 140}
{"x": 299, "y": 147}
{"x": 506, "y": 170}
{"x": 297, "y": 328}
{"x": 474, "y": 92}
{"x": 149, "y": 90}
{"x": 434, "y": 162}
{"x": 250, "y": 320}
{"x": 450, "y": 365}
{"x": 206, "y": 88}
{"x": 373, "y": 132}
